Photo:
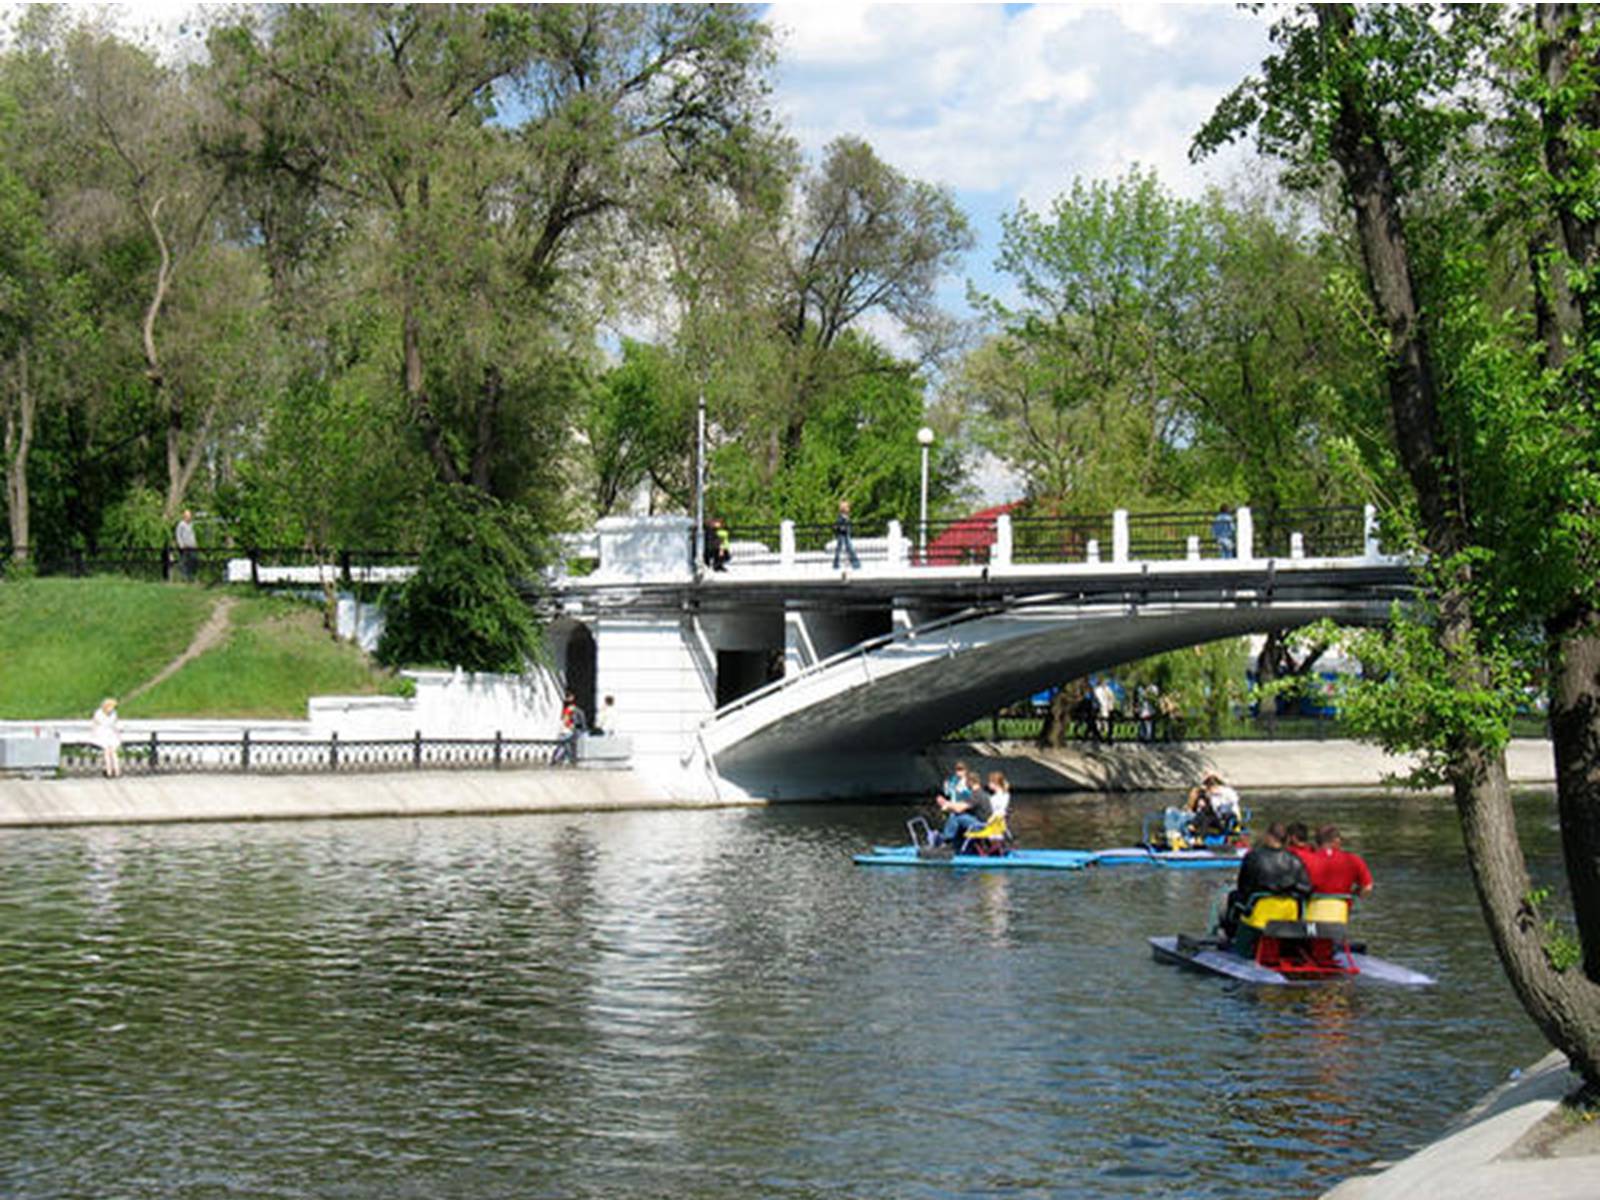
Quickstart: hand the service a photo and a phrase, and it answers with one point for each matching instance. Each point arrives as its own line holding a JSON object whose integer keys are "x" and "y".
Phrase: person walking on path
{"x": 105, "y": 731}
{"x": 188, "y": 547}
{"x": 842, "y": 543}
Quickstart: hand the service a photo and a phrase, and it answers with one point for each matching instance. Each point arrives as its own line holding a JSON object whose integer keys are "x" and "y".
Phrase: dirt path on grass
{"x": 208, "y": 635}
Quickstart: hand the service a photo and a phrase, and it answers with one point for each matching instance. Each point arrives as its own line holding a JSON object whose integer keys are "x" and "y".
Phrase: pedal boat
{"x": 990, "y": 848}
{"x": 1283, "y": 940}
{"x": 1178, "y": 850}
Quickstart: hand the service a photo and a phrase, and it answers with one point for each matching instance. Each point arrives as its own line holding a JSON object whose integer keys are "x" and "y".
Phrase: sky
{"x": 1009, "y": 103}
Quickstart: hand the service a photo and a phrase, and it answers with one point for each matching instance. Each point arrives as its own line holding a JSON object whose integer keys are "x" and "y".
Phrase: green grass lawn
{"x": 65, "y": 644}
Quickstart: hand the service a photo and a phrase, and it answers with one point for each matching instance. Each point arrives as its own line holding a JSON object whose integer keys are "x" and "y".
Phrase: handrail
{"x": 861, "y": 649}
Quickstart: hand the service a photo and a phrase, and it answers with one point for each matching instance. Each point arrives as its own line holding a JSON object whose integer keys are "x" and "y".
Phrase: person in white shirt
{"x": 105, "y": 731}
{"x": 1224, "y": 802}
{"x": 999, "y": 794}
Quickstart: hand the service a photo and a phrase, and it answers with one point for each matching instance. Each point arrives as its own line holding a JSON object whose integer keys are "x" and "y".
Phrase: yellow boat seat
{"x": 1328, "y": 909}
{"x": 1271, "y": 908}
{"x": 995, "y": 827}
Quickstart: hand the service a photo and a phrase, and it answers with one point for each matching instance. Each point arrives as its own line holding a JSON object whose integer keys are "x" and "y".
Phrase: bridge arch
{"x": 893, "y": 697}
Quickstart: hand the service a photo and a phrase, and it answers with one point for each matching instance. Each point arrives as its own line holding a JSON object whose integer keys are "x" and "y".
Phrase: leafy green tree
{"x": 499, "y": 157}
{"x": 859, "y": 443}
{"x": 468, "y": 604}
{"x": 1499, "y": 457}
{"x": 634, "y": 425}
{"x": 132, "y": 123}
{"x": 1072, "y": 393}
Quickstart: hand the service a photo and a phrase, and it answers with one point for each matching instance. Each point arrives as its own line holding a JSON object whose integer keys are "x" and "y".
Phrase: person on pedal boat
{"x": 1189, "y": 824}
{"x": 999, "y": 794}
{"x": 1224, "y": 803}
{"x": 955, "y": 783}
{"x": 1270, "y": 868}
{"x": 1334, "y": 870}
{"x": 969, "y": 810}
{"x": 1298, "y": 843}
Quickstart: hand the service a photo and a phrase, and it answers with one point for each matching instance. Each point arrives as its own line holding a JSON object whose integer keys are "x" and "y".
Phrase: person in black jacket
{"x": 1269, "y": 867}
{"x": 842, "y": 543}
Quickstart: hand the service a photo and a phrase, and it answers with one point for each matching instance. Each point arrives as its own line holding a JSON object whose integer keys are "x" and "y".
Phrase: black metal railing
{"x": 1324, "y": 532}
{"x": 155, "y": 755}
{"x": 1063, "y": 539}
{"x": 963, "y": 542}
{"x": 261, "y": 566}
{"x": 1021, "y": 725}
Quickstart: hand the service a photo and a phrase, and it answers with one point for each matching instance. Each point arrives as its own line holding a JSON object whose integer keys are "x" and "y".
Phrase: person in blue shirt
{"x": 1222, "y": 532}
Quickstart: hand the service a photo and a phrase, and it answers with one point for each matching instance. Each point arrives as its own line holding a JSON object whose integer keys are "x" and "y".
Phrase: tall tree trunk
{"x": 1570, "y": 124}
{"x": 1573, "y": 637}
{"x": 18, "y": 441}
{"x": 416, "y": 385}
{"x": 1358, "y": 148}
{"x": 1574, "y": 661}
{"x": 1562, "y": 1004}
{"x": 182, "y": 464}
{"x": 1565, "y": 1006}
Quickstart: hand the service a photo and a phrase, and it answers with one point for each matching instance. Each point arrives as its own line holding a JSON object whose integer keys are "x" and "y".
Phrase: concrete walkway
{"x": 229, "y": 797}
{"x": 1514, "y": 1145}
{"x": 1255, "y": 768}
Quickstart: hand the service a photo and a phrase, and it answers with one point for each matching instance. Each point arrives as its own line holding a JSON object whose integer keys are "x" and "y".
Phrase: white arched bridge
{"x": 785, "y": 677}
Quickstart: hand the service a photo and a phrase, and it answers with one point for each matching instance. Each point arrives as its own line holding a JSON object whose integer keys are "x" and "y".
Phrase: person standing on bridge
{"x": 842, "y": 543}
{"x": 1223, "y": 532}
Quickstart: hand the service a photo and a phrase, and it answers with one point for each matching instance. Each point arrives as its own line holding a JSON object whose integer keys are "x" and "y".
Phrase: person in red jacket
{"x": 1334, "y": 870}
{"x": 1299, "y": 844}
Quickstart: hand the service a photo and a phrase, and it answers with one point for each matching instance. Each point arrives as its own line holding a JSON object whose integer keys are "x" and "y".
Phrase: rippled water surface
{"x": 708, "y": 1004}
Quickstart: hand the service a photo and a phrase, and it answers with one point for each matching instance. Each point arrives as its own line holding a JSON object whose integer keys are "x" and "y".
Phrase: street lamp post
{"x": 924, "y": 439}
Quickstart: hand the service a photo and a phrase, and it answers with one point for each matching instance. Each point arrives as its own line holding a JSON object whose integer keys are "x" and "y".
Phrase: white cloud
{"x": 1004, "y": 103}
{"x": 993, "y": 98}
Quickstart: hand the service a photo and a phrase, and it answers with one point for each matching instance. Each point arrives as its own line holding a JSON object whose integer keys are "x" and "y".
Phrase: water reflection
{"x": 710, "y": 1004}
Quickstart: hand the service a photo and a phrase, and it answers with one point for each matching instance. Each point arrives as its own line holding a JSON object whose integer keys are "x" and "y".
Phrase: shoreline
{"x": 1517, "y": 1140}
{"x": 1275, "y": 768}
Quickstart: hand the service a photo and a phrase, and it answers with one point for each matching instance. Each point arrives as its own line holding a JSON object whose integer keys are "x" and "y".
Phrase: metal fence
{"x": 155, "y": 755}
{"x": 1060, "y": 539}
{"x": 256, "y": 565}
{"x": 1324, "y": 532}
{"x": 1021, "y": 724}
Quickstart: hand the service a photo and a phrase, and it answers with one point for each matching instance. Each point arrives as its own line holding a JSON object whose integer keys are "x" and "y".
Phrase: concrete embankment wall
{"x": 1252, "y": 767}
{"x": 1248, "y": 766}
{"x": 167, "y": 798}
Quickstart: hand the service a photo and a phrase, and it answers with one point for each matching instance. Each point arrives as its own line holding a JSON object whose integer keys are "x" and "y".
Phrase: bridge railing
{"x": 1061, "y": 539}
{"x": 1336, "y": 532}
{"x": 961, "y": 542}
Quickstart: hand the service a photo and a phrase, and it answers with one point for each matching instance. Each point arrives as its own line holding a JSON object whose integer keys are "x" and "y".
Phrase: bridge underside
{"x": 855, "y": 728}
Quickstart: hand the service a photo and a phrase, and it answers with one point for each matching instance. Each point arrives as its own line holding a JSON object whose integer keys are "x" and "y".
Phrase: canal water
{"x": 710, "y": 1004}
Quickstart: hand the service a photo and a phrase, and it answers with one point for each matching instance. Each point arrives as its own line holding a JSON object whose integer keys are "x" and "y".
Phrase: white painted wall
{"x": 654, "y": 548}
{"x": 447, "y": 704}
{"x": 662, "y": 671}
